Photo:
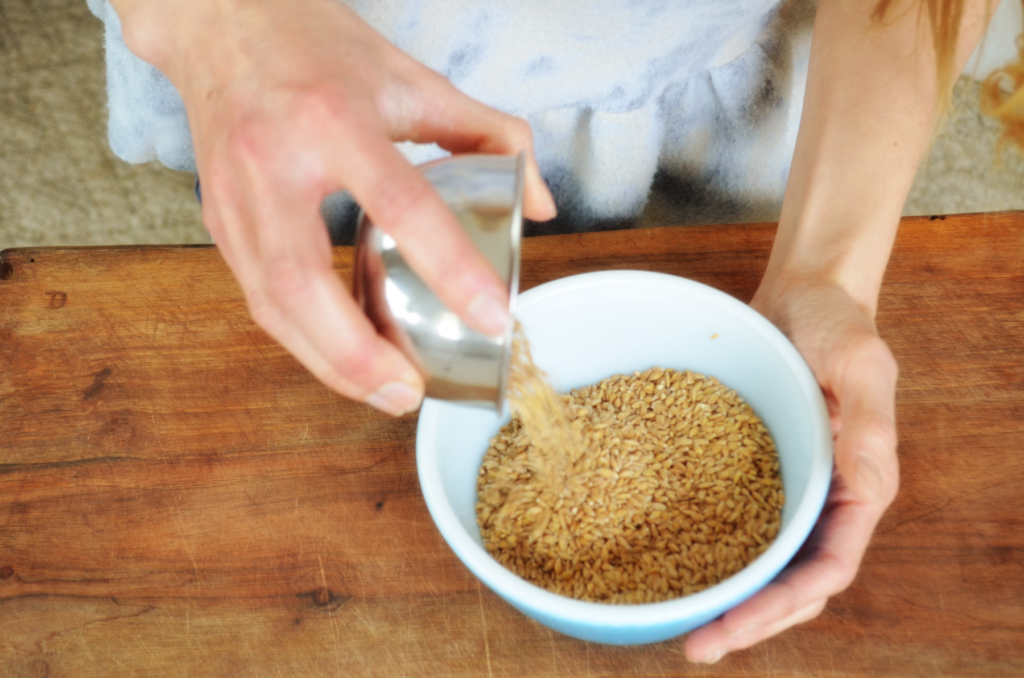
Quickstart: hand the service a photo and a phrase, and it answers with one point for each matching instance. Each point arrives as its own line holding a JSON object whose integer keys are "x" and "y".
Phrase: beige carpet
{"x": 59, "y": 182}
{"x": 61, "y": 185}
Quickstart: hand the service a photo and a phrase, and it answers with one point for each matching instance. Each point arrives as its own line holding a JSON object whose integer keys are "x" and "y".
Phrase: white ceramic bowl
{"x": 585, "y": 328}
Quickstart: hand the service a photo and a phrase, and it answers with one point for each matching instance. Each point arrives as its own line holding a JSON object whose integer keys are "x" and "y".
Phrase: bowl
{"x": 585, "y": 328}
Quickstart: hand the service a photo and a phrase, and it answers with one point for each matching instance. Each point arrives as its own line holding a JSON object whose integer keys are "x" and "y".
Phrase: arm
{"x": 291, "y": 101}
{"x": 869, "y": 112}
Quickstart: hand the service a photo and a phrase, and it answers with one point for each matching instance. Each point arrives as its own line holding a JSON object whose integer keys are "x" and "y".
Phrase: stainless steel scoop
{"x": 485, "y": 192}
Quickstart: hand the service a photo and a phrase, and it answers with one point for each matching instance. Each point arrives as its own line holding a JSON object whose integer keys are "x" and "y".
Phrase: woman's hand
{"x": 871, "y": 104}
{"x": 857, "y": 375}
{"x": 291, "y": 101}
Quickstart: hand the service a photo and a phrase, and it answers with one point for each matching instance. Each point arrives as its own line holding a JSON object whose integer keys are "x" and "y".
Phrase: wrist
{"x": 857, "y": 266}
{"x": 172, "y": 35}
{"x": 835, "y": 250}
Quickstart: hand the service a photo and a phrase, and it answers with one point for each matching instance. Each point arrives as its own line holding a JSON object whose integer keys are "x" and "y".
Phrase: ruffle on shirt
{"x": 732, "y": 130}
{"x": 147, "y": 118}
{"x": 617, "y": 94}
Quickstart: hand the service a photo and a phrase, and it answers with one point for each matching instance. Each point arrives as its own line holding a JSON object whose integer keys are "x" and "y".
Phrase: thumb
{"x": 865, "y": 446}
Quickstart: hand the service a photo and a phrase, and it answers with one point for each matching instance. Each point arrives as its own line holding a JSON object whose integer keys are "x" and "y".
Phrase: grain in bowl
{"x": 638, "y": 489}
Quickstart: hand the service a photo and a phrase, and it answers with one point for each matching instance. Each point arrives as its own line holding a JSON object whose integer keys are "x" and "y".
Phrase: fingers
{"x": 482, "y": 129}
{"x": 276, "y": 246}
{"x": 403, "y": 204}
{"x": 708, "y": 650}
{"x": 342, "y": 348}
{"x": 460, "y": 124}
{"x": 800, "y": 592}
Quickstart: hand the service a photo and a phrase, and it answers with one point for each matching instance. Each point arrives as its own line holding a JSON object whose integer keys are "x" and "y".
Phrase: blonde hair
{"x": 1002, "y": 97}
{"x": 1002, "y": 92}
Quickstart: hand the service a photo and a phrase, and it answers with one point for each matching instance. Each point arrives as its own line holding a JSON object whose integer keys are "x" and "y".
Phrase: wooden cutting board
{"x": 178, "y": 497}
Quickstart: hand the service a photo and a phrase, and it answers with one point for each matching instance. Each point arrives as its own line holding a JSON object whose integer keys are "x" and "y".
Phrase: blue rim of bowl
{"x": 724, "y": 595}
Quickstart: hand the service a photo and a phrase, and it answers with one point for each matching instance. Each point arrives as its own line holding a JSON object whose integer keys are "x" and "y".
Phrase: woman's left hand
{"x": 857, "y": 374}
{"x": 872, "y": 99}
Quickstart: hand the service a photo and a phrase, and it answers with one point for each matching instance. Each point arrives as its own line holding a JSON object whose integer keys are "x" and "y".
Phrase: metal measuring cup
{"x": 458, "y": 364}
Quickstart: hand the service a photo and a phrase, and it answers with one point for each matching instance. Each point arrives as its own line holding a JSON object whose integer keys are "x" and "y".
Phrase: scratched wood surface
{"x": 179, "y": 498}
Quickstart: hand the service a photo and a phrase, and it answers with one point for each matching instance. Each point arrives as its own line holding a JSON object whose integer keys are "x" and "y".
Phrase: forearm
{"x": 869, "y": 112}
{"x": 204, "y": 44}
{"x": 154, "y": 30}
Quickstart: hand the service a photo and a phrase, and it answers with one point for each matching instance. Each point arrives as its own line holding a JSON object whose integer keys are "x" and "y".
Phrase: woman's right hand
{"x": 291, "y": 101}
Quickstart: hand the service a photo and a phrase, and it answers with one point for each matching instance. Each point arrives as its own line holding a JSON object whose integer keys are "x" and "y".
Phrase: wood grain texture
{"x": 178, "y": 497}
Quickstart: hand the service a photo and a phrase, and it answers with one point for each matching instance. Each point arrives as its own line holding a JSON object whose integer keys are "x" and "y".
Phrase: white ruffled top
{"x": 708, "y": 91}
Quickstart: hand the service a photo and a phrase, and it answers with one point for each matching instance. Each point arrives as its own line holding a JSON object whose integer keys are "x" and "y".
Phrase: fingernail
{"x": 552, "y": 209}
{"x": 712, "y": 656}
{"x": 744, "y": 631}
{"x": 395, "y": 398}
{"x": 491, "y": 315}
{"x": 870, "y": 476}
